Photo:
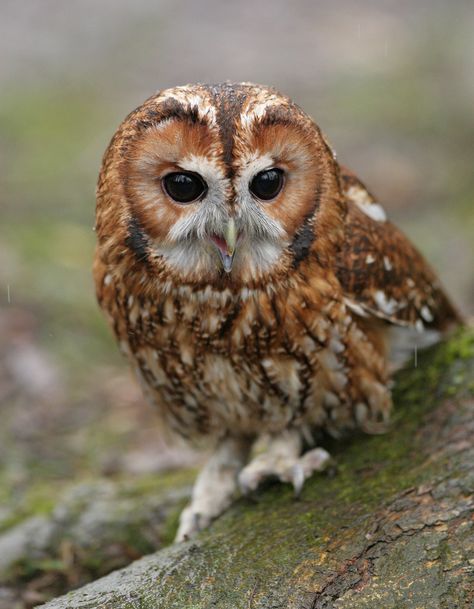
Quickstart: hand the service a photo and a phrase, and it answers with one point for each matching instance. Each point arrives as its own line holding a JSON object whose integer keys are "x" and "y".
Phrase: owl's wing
{"x": 382, "y": 273}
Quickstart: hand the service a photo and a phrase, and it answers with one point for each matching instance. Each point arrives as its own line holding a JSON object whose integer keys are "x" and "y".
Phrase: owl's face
{"x": 222, "y": 183}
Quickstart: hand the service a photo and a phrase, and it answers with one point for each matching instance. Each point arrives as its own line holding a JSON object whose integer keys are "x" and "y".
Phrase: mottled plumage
{"x": 244, "y": 315}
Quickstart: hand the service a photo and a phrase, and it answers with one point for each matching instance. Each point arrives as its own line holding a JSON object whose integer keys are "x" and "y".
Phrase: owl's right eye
{"x": 184, "y": 187}
{"x": 267, "y": 184}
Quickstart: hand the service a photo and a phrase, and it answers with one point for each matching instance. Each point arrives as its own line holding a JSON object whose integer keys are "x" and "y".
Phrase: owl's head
{"x": 222, "y": 184}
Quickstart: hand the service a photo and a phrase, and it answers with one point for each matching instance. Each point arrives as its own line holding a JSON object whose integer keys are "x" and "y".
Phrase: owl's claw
{"x": 190, "y": 523}
{"x": 282, "y": 461}
{"x": 315, "y": 460}
{"x": 297, "y": 479}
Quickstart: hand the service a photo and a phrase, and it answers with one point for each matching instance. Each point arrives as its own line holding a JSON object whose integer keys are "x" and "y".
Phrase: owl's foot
{"x": 214, "y": 488}
{"x": 282, "y": 460}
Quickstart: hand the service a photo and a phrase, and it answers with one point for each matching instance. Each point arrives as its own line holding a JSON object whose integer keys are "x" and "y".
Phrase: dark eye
{"x": 184, "y": 187}
{"x": 267, "y": 184}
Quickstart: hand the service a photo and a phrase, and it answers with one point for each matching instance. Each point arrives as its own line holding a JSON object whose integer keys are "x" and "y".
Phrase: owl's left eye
{"x": 267, "y": 184}
{"x": 184, "y": 187}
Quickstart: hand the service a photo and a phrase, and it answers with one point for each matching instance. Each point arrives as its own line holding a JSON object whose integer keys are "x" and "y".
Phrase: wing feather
{"x": 382, "y": 273}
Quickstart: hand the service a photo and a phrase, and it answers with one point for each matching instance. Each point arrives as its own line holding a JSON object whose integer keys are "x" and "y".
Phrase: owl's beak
{"x": 226, "y": 244}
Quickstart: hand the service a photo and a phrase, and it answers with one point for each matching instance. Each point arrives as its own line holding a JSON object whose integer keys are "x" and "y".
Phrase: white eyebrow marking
{"x": 257, "y": 109}
{"x": 204, "y": 166}
{"x": 190, "y": 98}
{"x": 252, "y": 164}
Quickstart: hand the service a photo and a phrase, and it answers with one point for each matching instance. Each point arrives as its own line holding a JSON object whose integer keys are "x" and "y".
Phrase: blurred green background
{"x": 390, "y": 83}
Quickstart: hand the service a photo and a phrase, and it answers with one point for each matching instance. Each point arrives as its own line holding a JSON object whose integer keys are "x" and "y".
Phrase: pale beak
{"x": 226, "y": 244}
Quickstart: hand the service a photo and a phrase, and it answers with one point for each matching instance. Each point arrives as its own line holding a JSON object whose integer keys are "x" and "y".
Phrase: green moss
{"x": 38, "y": 499}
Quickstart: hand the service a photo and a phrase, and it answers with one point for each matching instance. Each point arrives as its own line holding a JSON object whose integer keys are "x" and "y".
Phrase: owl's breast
{"x": 213, "y": 363}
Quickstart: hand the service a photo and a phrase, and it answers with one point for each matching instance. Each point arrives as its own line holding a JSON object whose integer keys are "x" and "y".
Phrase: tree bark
{"x": 393, "y": 529}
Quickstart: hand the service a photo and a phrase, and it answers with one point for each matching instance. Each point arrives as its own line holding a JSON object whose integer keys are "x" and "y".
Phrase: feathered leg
{"x": 215, "y": 486}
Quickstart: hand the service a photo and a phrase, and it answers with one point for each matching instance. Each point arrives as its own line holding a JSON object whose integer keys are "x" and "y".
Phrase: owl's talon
{"x": 245, "y": 488}
{"x": 249, "y": 480}
{"x": 282, "y": 460}
{"x": 297, "y": 479}
{"x": 315, "y": 460}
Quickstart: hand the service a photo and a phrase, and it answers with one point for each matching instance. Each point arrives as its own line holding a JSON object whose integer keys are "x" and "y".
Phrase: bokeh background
{"x": 390, "y": 83}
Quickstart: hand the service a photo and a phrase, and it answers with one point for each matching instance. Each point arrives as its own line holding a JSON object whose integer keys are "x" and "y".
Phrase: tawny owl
{"x": 254, "y": 284}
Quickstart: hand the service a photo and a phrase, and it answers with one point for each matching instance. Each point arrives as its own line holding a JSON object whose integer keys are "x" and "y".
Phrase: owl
{"x": 255, "y": 285}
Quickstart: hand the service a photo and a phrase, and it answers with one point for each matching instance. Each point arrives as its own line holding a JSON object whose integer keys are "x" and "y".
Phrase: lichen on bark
{"x": 393, "y": 529}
